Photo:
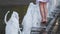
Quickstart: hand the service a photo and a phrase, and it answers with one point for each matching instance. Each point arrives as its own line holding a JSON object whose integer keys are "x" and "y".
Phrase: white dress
{"x": 37, "y": 1}
{"x": 42, "y": 0}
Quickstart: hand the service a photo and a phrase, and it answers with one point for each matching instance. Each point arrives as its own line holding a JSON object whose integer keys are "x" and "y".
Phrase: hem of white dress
{"x": 41, "y": 1}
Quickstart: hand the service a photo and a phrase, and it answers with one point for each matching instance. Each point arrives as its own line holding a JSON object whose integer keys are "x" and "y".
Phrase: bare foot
{"x": 45, "y": 32}
{"x": 44, "y": 21}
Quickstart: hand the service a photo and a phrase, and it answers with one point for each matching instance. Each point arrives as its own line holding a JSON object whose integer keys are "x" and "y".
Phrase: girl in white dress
{"x": 43, "y": 11}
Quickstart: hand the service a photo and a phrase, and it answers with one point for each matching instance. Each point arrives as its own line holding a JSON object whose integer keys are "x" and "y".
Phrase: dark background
{"x": 15, "y": 2}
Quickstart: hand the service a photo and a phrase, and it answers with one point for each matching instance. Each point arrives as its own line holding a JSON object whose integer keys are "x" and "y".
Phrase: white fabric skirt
{"x": 42, "y": 0}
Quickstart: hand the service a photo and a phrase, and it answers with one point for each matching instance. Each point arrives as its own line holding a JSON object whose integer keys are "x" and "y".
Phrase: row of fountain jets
{"x": 31, "y": 19}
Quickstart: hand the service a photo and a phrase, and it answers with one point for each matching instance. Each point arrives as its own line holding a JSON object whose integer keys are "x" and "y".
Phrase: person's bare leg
{"x": 45, "y": 10}
{"x": 45, "y": 14}
{"x": 41, "y": 5}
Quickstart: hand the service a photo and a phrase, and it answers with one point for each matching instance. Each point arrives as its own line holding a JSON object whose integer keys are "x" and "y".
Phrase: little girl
{"x": 43, "y": 11}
